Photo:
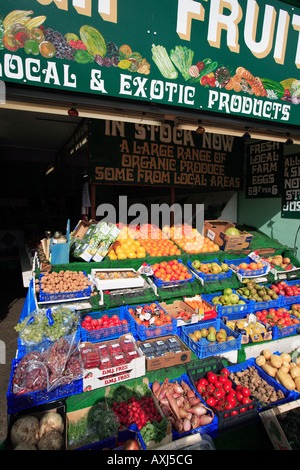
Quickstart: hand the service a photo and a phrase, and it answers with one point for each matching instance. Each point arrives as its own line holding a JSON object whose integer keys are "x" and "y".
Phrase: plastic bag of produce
{"x": 64, "y": 361}
{"x": 31, "y": 375}
{"x": 45, "y": 325}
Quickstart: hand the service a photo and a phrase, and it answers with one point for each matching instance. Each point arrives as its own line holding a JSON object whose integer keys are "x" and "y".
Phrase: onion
{"x": 205, "y": 419}
{"x": 155, "y": 386}
{"x": 194, "y": 401}
{"x": 198, "y": 410}
{"x": 131, "y": 444}
{"x": 187, "y": 424}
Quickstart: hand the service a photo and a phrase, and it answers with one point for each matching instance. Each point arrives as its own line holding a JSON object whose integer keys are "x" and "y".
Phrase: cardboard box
{"x": 152, "y": 444}
{"x": 73, "y": 417}
{"x": 170, "y": 358}
{"x": 264, "y": 334}
{"x": 178, "y": 305}
{"x": 215, "y": 230}
{"x": 81, "y": 229}
{"x": 95, "y": 378}
{"x": 273, "y": 427}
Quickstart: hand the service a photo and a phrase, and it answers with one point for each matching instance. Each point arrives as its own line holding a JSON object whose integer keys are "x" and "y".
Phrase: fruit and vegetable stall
{"x": 157, "y": 339}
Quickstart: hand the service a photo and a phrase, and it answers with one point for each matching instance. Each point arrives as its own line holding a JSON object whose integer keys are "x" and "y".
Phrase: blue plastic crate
{"x": 248, "y": 272}
{"x": 205, "y": 348}
{"x": 265, "y": 304}
{"x": 278, "y": 332}
{"x": 143, "y": 332}
{"x": 289, "y": 395}
{"x": 295, "y": 299}
{"x": 223, "y": 310}
{"x": 160, "y": 283}
{"x": 210, "y": 429}
{"x": 63, "y": 296}
{"x": 16, "y": 403}
{"x": 241, "y": 414}
{"x": 112, "y": 332}
{"x": 210, "y": 277}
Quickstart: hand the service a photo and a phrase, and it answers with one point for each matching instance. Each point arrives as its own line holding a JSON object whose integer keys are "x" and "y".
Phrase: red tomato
{"x": 224, "y": 372}
{"x": 211, "y": 401}
{"x": 88, "y": 319}
{"x": 211, "y": 377}
{"x": 245, "y": 391}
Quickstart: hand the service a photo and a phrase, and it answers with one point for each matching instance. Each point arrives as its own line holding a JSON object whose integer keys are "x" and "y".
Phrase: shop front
{"x": 188, "y": 142}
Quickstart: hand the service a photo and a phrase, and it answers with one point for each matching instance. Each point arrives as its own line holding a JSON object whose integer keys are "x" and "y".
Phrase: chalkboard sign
{"x": 291, "y": 193}
{"x": 137, "y": 154}
{"x": 264, "y": 169}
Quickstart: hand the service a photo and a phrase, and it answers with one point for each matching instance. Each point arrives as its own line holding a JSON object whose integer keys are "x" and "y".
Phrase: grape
{"x": 63, "y": 48}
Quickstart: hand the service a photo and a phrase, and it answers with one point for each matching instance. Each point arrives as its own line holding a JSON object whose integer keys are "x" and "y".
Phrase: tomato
{"x": 239, "y": 396}
{"x": 217, "y": 384}
{"x": 222, "y": 379}
{"x": 210, "y": 388}
{"x": 231, "y": 400}
{"x": 246, "y": 400}
{"x": 245, "y": 391}
{"x": 211, "y": 377}
{"x": 88, "y": 319}
{"x": 227, "y": 386}
{"x": 211, "y": 401}
{"x": 203, "y": 381}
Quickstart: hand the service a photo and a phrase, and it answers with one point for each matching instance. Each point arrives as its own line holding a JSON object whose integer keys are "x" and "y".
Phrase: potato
{"x": 276, "y": 361}
{"x": 271, "y": 371}
{"x": 285, "y": 380}
{"x": 285, "y": 357}
{"x": 295, "y": 372}
{"x": 284, "y": 368}
{"x": 260, "y": 361}
{"x": 297, "y": 383}
{"x": 266, "y": 353}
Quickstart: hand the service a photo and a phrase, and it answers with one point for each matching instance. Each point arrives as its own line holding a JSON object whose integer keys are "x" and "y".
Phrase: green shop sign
{"x": 234, "y": 57}
{"x": 139, "y": 154}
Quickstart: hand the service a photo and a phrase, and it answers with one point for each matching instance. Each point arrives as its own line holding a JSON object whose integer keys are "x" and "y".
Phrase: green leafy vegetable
{"x": 163, "y": 62}
{"x": 182, "y": 58}
{"x": 125, "y": 392}
{"x": 154, "y": 431}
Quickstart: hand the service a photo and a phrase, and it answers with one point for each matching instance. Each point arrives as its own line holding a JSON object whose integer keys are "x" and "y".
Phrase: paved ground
{"x": 12, "y": 295}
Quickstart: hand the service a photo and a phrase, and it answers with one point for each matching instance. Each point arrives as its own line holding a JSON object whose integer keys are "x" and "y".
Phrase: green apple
{"x": 196, "y": 264}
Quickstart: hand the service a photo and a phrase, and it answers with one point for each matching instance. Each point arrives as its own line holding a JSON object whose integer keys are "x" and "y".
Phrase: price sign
{"x": 291, "y": 194}
{"x": 264, "y": 169}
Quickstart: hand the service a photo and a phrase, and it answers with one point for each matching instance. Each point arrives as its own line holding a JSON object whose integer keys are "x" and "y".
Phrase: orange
{"x": 243, "y": 266}
{"x": 252, "y": 266}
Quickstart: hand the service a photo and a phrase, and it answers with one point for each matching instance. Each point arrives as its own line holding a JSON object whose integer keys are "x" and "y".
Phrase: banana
{"x": 14, "y": 17}
{"x": 35, "y": 22}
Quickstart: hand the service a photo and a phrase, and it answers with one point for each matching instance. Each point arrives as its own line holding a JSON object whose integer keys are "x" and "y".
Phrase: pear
{"x": 204, "y": 332}
{"x": 198, "y": 334}
{"x": 212, "y": 329}
{"x": 224, "y": 267}
{"x": 221, "y": 337}
{"x": 211, "y": 336}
